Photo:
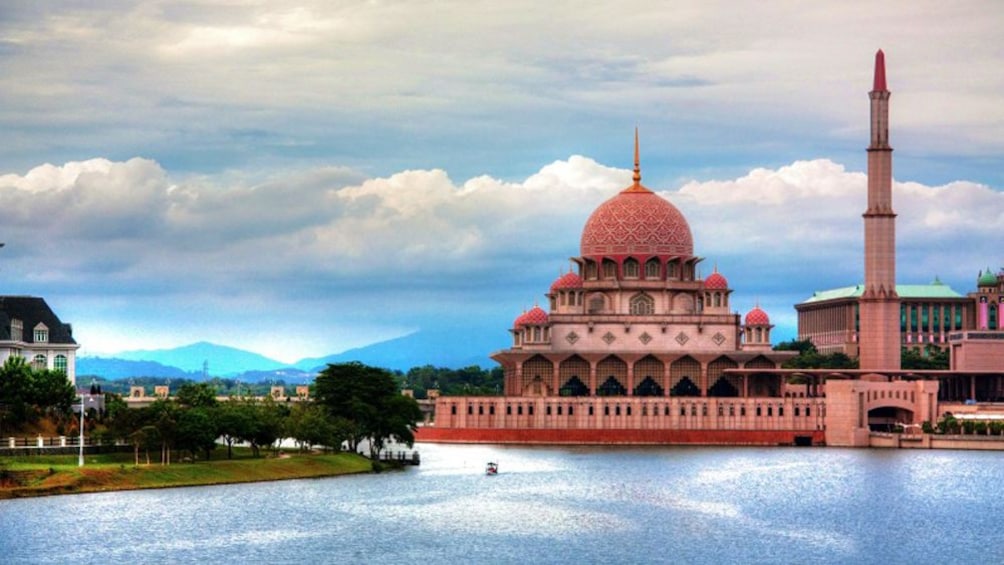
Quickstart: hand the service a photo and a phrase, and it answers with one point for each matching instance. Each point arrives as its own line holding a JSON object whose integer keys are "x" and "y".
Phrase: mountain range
{"x": 450, "y": 348}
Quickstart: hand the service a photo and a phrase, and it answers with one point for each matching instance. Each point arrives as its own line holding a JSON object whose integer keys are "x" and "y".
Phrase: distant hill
{"x": 113, "y": 368}
{"x": 449, "y": 348}
{"x": 223, "y": 361}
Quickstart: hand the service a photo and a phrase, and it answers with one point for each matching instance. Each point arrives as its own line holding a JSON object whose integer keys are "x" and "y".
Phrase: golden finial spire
{"x": 637, "y": 161}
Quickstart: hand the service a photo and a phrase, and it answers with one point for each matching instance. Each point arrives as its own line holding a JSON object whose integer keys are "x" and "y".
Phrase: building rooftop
{"x": 936, "y": 289}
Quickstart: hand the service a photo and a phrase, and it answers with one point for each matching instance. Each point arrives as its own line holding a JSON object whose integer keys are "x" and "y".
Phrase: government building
{"x": 635, "y": 346}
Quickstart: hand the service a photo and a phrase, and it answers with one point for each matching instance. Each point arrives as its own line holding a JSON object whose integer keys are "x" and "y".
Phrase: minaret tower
{"x": 879, "y": 337}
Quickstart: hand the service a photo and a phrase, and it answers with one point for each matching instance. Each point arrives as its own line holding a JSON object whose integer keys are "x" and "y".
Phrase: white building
{"x": 30, "y": 329}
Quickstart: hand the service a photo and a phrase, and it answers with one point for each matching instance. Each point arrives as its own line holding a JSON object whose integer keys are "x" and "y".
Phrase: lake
{"x": 552, "y": 505}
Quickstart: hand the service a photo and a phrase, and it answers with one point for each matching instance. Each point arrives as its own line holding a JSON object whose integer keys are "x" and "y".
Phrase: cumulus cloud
{"x": 326, "y": 251}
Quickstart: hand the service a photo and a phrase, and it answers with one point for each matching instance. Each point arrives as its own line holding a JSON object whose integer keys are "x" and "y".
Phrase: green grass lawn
{"x": 47, "y": 475}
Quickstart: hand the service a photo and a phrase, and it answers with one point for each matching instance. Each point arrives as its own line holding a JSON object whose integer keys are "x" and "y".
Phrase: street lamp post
{"x": 80, "y": 462}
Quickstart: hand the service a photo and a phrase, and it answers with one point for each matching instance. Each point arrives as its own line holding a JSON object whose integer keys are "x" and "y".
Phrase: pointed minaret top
{"x": 879, "y": 72}
{"x": 636, "y": 186}
{"x": 637, "y": 161}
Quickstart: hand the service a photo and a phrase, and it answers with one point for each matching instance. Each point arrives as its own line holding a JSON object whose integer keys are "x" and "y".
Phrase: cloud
{"x": 334, "y": 258}
{"x": 475, "y": 87}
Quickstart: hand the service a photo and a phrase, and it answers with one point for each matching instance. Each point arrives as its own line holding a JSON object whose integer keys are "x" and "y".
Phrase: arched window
{"x": 609, "y": 269}
{"x": 39, "y": 362}
{"x": 596, "y": 303}
{"x": 591, "y": 270}
{"x": 59, "y": 363}
{"x": 642, "y": 304}
{"x": 652, "y": 269}
{"x": 631, "y": 268}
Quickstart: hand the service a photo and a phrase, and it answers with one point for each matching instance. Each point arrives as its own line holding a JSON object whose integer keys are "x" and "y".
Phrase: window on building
{"x": 16, "y": 330}
{"x": 609, "y": 270}
{"x": 652, "y": 269}
{"x": 571, "y": 410}
{"x": 453, "y": 410}
{"x": 591, "y": 270}
{"x": 41, "y": 334}
{"x": 59, "y": 363}
{"x": 470, "y": 410}
{"x": 491, "y": 410}
{"x": 39, "y": 362}
{"x": 481, "y": 410}
{"x": 671, "y": 271}
{"x": 631, "y": 268}
{"x": 642, "y": 304}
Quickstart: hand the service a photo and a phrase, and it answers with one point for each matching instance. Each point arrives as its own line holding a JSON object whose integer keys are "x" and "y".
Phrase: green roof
{"x": 936, "y": 289}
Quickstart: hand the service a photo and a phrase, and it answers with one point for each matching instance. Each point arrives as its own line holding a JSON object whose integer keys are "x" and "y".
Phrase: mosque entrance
{"x": 887, "y": 418}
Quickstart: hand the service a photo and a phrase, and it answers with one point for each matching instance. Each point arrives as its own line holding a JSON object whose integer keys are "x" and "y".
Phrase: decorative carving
{"x": 637, "y": 222}
{"x": 719, "y": 339}
{"x": 682, "y": 338}
{"x": 645, "y": 338}
{"x": 572, "y": 337}
{"x": 609, "y": 338}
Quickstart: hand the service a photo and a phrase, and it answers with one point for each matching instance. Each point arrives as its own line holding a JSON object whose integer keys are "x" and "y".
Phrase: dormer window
{"x": 41, "y": 334}
{"x": 16, "y": 330}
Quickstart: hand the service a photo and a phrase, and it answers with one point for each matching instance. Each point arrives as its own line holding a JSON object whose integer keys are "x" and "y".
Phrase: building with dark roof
{"x": 30, "y": 329}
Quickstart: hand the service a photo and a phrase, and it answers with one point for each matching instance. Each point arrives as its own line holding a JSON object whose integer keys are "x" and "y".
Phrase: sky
{"x": 301, "y": 178}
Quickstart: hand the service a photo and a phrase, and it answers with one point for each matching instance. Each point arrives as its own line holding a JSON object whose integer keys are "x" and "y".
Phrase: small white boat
{"x": 492, "y": 468}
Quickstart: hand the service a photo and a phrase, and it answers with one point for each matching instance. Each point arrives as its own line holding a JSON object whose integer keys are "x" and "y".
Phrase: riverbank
{"x": 52, "y": 475}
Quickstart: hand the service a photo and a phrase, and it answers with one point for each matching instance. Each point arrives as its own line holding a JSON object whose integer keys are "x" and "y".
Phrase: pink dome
{"x": 637, "y": 222}
{"x": 567, "y": 280}
{"x": 534, "y": 317}
{"x": 716, "y": 281}
{"x": 757, "y": 317}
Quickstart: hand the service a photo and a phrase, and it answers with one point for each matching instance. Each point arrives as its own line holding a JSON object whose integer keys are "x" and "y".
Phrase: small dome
{"x": 757, "y": 317}
{"x": 716, "y": 281}
{"x": 567, "y": 280}
{"x": 987, "y": 278}
{"x": 534, "y": 317}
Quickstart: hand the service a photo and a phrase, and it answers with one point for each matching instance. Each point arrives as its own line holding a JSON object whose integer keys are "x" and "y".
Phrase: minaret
{"x": 879, "y": 337}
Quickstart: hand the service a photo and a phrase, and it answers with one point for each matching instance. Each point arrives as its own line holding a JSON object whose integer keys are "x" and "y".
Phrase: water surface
{"x": 551, "y": 505}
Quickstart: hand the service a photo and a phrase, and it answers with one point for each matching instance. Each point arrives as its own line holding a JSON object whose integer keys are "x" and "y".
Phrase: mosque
{"x": 635, "y": 347}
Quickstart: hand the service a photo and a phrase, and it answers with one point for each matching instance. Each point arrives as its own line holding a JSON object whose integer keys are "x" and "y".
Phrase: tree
{"x": 368, "y": 397}
{"x": 196, "y": 395}
{"x": 235, "y": 422}
{"x": 932, "y": 357}
{"x": 197, "y": 431}
{"x": 26, "y": 393}
{"x": 309, "y": 424}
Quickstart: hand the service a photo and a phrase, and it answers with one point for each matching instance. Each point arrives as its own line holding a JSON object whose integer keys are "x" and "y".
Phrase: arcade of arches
{"x": 646, "y": 376}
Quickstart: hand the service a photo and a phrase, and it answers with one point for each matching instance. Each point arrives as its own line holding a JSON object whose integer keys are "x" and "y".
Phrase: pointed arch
{"x": 537, "y": 372}
{"x": 573, "y": 373}
{"x": 722, "y": 385}
{"x": 684, "y": 374}
{"x": 631, "y": 268}
{"x": 611, "y": 373}
{"x": 650, "y": 368}
{"x": 653, "y": 269}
